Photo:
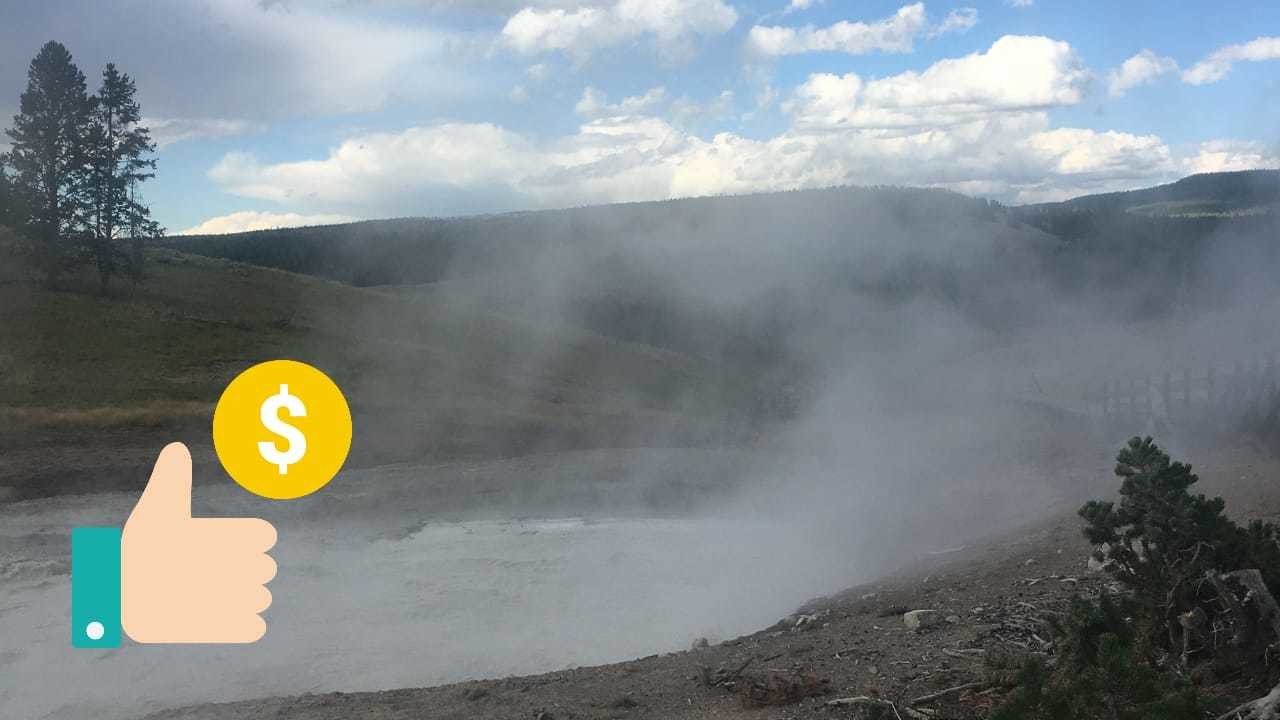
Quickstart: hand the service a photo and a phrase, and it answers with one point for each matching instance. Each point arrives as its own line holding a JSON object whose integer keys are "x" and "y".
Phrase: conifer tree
{"x": 49, "y": 159}
{"x": 117, "y": 148}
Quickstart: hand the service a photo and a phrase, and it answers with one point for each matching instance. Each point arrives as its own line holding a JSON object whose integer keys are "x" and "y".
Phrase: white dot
{"x": 94, "y": 630}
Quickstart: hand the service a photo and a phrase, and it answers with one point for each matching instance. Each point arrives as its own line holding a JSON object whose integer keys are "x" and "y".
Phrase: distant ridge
{"x": 1204, "y": 194}
{"x": 425, "y": 249}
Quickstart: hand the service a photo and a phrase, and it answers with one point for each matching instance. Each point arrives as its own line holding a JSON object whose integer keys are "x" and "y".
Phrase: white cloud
{"x": 1230, "y": 155}
{"x": 1219, "y": 63}
{"x": 478, "y": 7}
{"x": 1141, "y": 69}
{"x": 457, "y": 168}
{"x": 960, "y": 20}
{"x": 519, "y": 94}
{"x": 1079, "y": 151}
{"x": 766, "y": 97}
{"x": 167, "y": 131}
{"x": 686, "y": 111}
{"x": 595, "y": 103}
{"x": 247, "y": 60}
{"x": 1019, "y": 3}
{"x": 334, "y": 62}
{"x": 538, "y": 73}
{"x": 247, "y": 220}
{"x": 584, "y": 30}
{"x": 894, "y": 34}
{"x": 978, "y": 123}
{"x": 798, "y": 5}
{"x": 1017, "y": 74}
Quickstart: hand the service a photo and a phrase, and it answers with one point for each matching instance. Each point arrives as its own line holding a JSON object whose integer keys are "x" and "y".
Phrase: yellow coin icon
{"x": 282, "y": 429}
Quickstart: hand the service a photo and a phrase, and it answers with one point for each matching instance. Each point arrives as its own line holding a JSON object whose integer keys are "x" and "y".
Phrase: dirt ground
{"x": 992, "y": 599}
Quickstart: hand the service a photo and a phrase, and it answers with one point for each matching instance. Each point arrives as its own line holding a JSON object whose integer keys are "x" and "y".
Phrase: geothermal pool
{"x": 389, "y": 596}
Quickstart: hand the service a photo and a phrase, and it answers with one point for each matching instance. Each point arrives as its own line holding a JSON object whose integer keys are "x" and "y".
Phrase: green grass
{"x": 1200, "y": 209}
{"x": 440, "y": 378}
{"x": 176, "y": 338}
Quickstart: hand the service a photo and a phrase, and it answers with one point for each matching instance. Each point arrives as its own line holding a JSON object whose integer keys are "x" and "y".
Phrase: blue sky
{"x": 301, "y": 111}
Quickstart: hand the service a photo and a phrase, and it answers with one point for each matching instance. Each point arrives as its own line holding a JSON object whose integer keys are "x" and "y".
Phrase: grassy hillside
{"x": 681, "y": 323}
{"x": 113, "y": 379}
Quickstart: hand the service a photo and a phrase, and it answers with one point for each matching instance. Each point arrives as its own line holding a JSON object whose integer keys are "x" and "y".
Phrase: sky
{"x": 274, "y": 113}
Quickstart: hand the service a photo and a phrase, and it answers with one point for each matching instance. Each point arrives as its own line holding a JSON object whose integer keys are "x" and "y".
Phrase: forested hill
{"x": 418, "y": 250}
{"x": 739, "y": 277}
{"x": 1189, "y": 210}
{"x": 1226, "y": 193}
{"x": 646, "y": 271}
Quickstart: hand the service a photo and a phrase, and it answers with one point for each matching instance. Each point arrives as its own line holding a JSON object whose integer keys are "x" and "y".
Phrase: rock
{"x": 626, "y": 702}
{"x": 1096, "y": 565}
{"x": 777, "y": 688}
{"x": 920, "y": 619}
{"x": 953, "y": 619}
{"x": 701, "y": 644}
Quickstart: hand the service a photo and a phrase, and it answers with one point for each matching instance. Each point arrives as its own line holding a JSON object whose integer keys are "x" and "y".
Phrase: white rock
{"x": 921, "y": 619}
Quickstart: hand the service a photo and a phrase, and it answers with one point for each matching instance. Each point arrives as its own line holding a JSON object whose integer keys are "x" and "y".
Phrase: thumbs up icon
{"x": 169, "y": 577}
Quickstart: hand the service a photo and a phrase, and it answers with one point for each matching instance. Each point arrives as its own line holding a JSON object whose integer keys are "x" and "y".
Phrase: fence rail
{"x": 1235, "y": 389}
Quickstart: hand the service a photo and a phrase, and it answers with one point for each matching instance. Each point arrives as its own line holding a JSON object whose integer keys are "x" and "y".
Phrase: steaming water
{"x": 361, "y": 607}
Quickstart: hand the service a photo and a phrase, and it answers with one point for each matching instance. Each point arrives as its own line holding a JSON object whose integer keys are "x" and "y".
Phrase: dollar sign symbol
{"x": 271, "y": 420}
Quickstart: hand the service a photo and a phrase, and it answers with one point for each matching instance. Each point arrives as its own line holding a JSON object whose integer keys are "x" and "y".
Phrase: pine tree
{"x": 118, "y": 146}
{"x": 49, "y": 159}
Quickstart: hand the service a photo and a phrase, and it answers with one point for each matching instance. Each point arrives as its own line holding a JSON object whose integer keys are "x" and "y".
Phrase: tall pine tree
{"x": 118, "y": 147}
{"x": 49, "y": 159}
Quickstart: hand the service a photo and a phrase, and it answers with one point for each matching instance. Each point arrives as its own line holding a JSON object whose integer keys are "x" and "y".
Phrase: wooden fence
{"x": 1238, "y": 389}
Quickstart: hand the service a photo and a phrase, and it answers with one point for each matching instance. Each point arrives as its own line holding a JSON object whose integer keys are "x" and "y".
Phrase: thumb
{"x": 168, "y": 492}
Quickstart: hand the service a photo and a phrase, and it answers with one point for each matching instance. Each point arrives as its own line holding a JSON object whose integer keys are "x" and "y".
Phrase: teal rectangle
{"x": 95, "y": 586}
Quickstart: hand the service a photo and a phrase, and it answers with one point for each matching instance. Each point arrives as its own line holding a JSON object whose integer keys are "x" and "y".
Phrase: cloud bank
{"x": 248, "y": 220}
{"x": 1219, "y": 63}
{"x": 978, "y": 124}
{"x": 1141, "y": 69}
{"x": 582, "y": 31}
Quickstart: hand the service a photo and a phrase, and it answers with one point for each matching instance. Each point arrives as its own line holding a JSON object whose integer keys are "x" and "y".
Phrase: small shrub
{"x": 1169, "y": 549}
{"x": 1161, "y": 541}
{"x": 1100, "y": 674}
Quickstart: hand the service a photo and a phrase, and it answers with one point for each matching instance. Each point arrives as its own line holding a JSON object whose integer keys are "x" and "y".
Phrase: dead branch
{"x": 970, "y": 655}
{"x": 862, "y": 701}
{"x": 949, "y": 691}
